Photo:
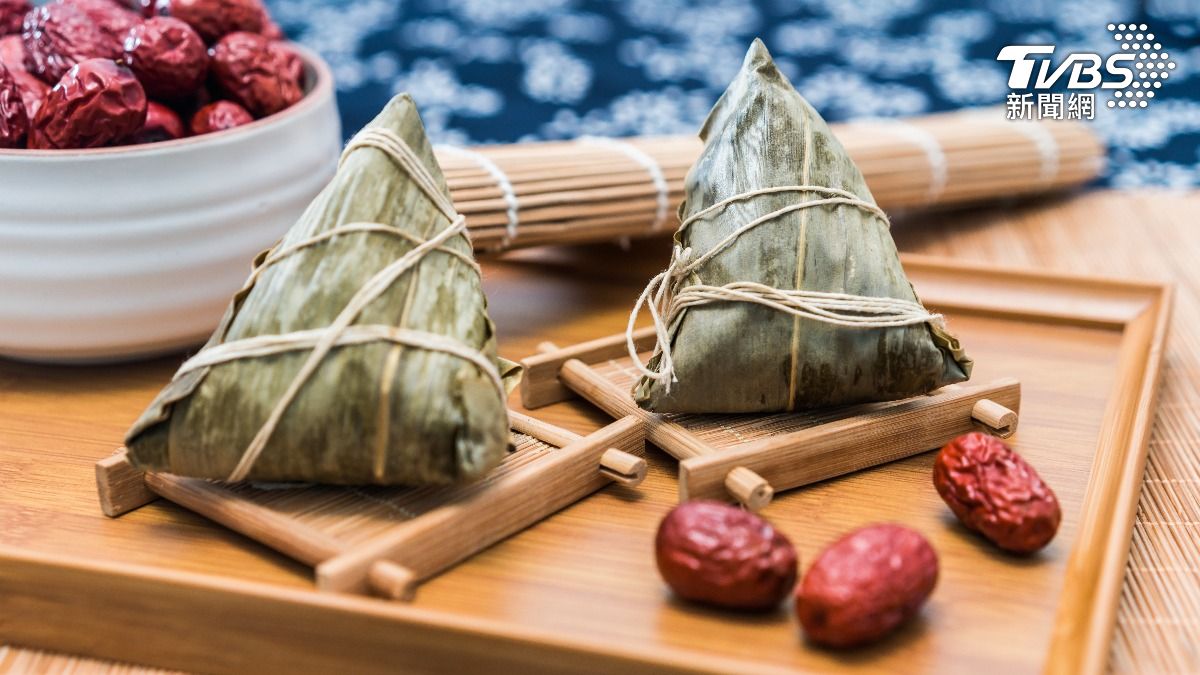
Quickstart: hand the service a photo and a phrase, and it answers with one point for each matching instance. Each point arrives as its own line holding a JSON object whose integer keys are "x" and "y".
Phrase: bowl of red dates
{"x": 149, "y": 149}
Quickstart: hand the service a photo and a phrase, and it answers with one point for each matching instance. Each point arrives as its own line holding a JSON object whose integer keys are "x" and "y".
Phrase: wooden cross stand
{"x": 386, "y": 540}
{"x": 750, "y": 457}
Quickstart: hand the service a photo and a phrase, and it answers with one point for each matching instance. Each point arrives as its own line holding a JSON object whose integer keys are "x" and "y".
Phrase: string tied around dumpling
{"x": 679, "y": 287}
{"x": 341, "y": 332}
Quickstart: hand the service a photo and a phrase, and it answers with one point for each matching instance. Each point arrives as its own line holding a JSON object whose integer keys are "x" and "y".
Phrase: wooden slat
{"x": 429, "y": 544}
{"x": 863, "y": 439}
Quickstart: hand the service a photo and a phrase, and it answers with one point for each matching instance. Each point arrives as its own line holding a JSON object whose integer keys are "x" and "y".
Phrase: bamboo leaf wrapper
{"x": 375, "y": 411}
{"x": 737, "y": 356}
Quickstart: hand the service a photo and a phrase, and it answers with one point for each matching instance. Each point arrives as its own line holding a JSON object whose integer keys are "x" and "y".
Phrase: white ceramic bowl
{"x": 120, "y": 253}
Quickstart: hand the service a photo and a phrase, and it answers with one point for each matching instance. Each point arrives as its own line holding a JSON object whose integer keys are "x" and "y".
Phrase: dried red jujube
{"x": 995, "y": 492}
{"x": 14, "y": 121}
{"x": 865, "y": 585}
{"x": 219, "y": 116}
{"x": 113, "y": 19}
{"x": 162, "y": 124}
{"x": 263, "y": 76}
{"x": 12, "y": 58}
{"x": 271, "y": 30}
{"x": 168, "y": 57}
{"x": 33, "y": 90}
{"x": 214, "y": 19}
{"x": 58, "y": 36}
{"x": 718, "y": 554}
{"x": 97, "y": 103}
{"x": 12, "y": 15}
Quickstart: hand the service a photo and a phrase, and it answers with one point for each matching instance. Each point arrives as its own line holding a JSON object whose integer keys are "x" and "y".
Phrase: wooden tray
{"x": 387, "y": 540}
{"x": 580, "y": 590}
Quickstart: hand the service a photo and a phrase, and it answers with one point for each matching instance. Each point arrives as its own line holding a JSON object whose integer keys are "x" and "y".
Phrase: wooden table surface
{"x": 1145, "y": 235}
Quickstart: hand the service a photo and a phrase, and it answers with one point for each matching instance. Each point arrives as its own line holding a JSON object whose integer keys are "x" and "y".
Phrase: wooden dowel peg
{"x": 750, "y": 489}
{"x": 122, "y": 488}
{"x": 1000, "y": 420}
{"x": 622, "y": 467}
{"x": 393, "y": 581}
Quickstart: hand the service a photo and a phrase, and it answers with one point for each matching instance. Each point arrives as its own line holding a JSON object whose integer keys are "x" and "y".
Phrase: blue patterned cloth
{"x": 512, "y": 70}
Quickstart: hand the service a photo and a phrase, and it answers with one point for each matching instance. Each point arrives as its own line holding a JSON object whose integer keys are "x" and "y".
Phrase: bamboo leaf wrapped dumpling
{"x": 359, "y": 351}
{"x": 785, "y": 290}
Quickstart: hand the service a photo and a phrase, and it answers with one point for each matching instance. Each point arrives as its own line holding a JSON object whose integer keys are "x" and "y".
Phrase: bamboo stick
{"x": 575, "y": 192}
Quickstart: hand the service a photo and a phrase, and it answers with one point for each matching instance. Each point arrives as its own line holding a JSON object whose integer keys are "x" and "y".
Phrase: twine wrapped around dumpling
{"x": 785, "y": 290}
{"x": 359, "y": 351}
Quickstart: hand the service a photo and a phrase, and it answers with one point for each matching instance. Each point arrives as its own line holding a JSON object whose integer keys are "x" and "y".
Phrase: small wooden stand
{"x": 750, "y": 457}
{"x": 386, "y": 540}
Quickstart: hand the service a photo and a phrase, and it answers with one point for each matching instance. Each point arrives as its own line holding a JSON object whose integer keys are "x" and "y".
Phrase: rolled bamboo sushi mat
{"x": 608, "y": 189}
{"x": 1153, "y": 236}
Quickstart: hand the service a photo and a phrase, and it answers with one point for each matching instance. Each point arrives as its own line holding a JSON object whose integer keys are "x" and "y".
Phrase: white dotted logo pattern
{"x": 1152, "y": 66}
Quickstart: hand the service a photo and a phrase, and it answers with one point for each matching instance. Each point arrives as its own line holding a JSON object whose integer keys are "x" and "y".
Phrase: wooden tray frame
{"x": 214, "y": 623}
{"x": 393, "y": 564}
{"x": 752, "y": 472}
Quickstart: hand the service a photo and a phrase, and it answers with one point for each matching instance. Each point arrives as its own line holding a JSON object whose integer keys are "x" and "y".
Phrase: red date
{"x": 720, "y": 555}
{"x": 168, "y": 57}
{"x": 33, "y": 90}
{"x": 14, "y": 121}
{"x": 162, "y": 124}
{"x": 219, "y": 116}
{"x": 262, "y": 76}
{"x": 96, "y": 103}
{"x": 271, "y": 30}
{"x": 113, "y": 19}
{"x": 12, "y": 15}
{"x": 865, "y": 585}
{"x": 214, "y": 19}
{"x": 995, "y": 492}
{"x": 58, "y": 36}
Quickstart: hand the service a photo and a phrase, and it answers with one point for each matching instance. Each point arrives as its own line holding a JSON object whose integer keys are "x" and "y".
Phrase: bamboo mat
{"x": 1153, "y": 236}
{"x": 15, "y": 661}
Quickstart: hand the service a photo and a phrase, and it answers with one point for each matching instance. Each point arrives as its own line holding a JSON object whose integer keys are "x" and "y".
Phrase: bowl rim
{"x": 321, "y": 90}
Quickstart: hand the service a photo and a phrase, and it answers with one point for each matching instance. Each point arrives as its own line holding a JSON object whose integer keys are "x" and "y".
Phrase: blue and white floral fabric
{"x": 511, "y": 70}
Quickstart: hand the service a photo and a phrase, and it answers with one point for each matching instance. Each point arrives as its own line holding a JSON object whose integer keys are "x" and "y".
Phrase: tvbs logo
{"x": 1133, "y": 73}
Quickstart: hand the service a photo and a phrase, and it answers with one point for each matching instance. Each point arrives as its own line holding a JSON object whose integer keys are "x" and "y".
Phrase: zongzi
{"x": 358, "y": 352}
{"x": 785, "y": 290}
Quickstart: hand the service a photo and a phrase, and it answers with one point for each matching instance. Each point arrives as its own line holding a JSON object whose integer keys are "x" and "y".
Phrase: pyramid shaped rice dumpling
{"x": 359, "y": 352}
{"x": 785, "y": 291}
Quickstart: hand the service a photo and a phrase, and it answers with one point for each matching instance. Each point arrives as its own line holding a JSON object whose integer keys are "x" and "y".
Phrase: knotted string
{"x": 668, "y": 294}
{"x": 340, "y": 332}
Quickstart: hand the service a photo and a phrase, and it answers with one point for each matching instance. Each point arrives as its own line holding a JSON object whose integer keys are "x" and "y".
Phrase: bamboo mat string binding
{"x": 1047, "y": 149}
{"x": 662, "y": 191}
{"x": 666, "y": 297}
{"x": 507, "y": 192}
{"x": 935, "y": 155}
{"x": 340, "y": 332}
